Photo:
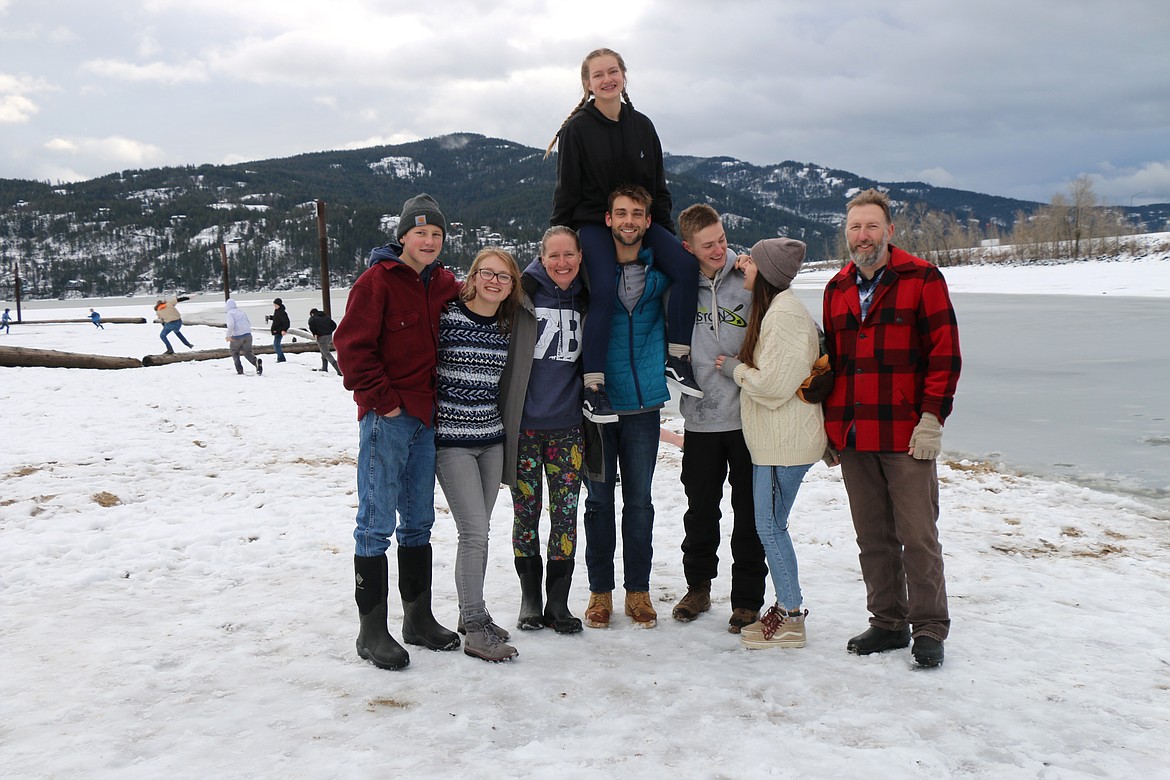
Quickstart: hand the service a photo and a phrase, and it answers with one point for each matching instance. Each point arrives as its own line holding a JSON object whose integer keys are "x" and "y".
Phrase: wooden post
{"x": 16, "y": 279}
{"x": 323, "y": 239}
{"x": 227, "y": 290}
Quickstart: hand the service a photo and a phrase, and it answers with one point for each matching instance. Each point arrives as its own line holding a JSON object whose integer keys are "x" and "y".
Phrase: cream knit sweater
{"x": 781, "y": 429}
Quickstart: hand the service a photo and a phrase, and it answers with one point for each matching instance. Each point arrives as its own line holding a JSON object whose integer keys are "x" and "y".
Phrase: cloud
{"x": 166, "y": 73}
{"x": 1149, "y": 183}
{"x": 113, "y": 149}
{"x": 16, "y": 108}
{"x": 15, "y": 105}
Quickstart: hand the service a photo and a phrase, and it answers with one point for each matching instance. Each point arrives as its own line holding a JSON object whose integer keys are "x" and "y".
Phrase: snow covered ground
{"x": 176, "y": 600}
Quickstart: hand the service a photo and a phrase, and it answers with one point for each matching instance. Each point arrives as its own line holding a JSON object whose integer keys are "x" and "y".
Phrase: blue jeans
{"x": 173, "y": 327}
{"x": 632, "y": 442}
{"x": 276, "y": 346}
{"x": 774, "y": 490}
{"x": 396, "y": 483}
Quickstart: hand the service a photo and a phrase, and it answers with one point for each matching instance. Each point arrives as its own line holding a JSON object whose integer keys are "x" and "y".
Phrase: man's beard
{"x": 622, "y": 239}
{"x": 868, "y": 259}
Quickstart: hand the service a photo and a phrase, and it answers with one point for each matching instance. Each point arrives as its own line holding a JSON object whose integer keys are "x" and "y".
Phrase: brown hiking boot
{"x": 599, "y": 609}
{"x": 697, "y": 600}
{"x": 741, "y": 618}
{"x": 639, "y": 608}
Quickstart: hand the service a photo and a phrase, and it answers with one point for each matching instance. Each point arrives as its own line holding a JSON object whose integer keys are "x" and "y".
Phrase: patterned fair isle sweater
{"x": 472, "y": 353}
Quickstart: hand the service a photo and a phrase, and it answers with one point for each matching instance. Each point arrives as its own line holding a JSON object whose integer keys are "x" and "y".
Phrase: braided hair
{"x": 585, "y": 90}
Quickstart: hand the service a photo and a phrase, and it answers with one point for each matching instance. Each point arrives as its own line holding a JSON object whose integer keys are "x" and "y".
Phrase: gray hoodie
{"x": 720, "y": 325}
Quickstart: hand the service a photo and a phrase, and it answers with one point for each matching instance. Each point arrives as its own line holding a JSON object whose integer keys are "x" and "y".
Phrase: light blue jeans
{"x": 774, "y": 491}
{"x": 396, "y": 483}
{"x": 470, "y": 478}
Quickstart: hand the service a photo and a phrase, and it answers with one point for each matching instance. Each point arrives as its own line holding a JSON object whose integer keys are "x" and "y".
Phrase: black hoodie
{"x": 596, "y": 154}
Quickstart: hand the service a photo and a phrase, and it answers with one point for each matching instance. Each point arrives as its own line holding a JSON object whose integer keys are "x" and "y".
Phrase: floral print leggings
{"x": 559, "y": 453}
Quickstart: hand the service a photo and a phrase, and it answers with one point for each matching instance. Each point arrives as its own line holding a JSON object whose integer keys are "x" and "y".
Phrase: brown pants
{"x": 894, "y": 502}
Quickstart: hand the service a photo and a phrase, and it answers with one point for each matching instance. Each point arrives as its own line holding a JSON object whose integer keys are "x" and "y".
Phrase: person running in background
{"x": 280, "y": 326}
{"x": 322, "y": 327}
{"x": 603, "y": 144}
{"x": 96, "y": 319}
{"x": 239, "y": 338}
{"x": 172, "y": 322}
{"x": 6, "y": 319}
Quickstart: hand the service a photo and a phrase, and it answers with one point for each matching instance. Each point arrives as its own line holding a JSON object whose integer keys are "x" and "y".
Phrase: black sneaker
{"x": 681, "y": 376}
{"x": 927, "y": 652}
{"x": 259, "y": 366}
{"x": 596, "y": 407}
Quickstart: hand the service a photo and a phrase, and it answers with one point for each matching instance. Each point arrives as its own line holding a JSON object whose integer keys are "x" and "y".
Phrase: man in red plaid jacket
{"x": 893, "y": 340}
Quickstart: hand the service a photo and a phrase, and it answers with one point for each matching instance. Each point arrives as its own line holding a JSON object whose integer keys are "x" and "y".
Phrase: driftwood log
{"x": 85, "y": 321}
{"x": 17, "y": 357}
{"x": 215, "y": 354}
{"x": 51, "y": 358}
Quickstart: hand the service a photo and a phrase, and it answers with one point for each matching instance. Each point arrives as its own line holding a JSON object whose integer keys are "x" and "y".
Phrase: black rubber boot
{"x": 419, "y": 626}
{"x": 556, "y": 608}
{"x": 374, "y": 642}
{"x": 529, "y": 571}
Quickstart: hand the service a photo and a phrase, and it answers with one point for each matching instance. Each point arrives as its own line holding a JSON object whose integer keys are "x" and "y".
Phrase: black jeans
{"x": 708, "y": 460}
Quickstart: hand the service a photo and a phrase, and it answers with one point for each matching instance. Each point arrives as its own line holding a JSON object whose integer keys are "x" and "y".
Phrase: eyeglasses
{"x": 489, "y": 275}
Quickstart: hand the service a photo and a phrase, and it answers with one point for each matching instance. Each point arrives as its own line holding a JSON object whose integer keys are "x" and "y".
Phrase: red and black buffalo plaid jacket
{"x": 903, "y": 360}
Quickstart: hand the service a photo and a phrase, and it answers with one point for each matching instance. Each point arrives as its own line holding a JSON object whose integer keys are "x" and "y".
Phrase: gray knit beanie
{"x": 778, "y": 259}
{"x": 420, "y": 210}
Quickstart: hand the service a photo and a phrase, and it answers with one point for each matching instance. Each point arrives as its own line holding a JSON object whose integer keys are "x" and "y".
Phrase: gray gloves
{"x": 926, "y": 439}
{"x": 728, "y": 368}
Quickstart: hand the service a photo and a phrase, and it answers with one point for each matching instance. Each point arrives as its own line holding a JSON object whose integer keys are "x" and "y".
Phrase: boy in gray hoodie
{"x": 713, "y": 445}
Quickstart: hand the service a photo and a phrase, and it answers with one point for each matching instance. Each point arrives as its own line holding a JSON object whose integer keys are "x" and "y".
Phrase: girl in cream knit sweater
{"x": 784, "y": 434}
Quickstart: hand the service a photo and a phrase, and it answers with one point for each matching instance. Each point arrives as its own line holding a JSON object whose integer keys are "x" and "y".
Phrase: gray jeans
{"x": 470, "y": 478}
{"x": 241, "y": 344}
{"x": 325, "y": 344}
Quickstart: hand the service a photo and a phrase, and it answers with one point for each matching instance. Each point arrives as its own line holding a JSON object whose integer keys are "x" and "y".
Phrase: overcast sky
{"x": 999, "y": 96}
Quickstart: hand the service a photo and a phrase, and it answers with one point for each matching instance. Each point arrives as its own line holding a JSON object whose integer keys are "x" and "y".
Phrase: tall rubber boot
{"x": 529, "y": 570}
{"x": 556, "y": 608}
{"x": 419, "y": 626}
{"x": 374, "y": 642}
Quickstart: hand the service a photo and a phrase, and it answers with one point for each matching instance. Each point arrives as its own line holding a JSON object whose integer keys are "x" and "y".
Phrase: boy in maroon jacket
{"x": 387, "y": 346}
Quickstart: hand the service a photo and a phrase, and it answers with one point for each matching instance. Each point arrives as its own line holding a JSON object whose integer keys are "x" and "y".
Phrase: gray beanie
{"x": 420, "y": 210}
{"x": 778, "y": 259}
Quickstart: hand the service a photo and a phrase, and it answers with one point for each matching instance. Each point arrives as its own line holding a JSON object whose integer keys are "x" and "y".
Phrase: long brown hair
{"x": 508, "y": 306}
{"x": 763, "y": 292}
{"x": 585, "y": 90}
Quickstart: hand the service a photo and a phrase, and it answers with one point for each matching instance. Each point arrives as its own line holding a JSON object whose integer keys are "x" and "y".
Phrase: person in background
{"x": 280, "y": 326}
{"x": 893, "y": 342}
{"x": 96, "y": 319}
{"x": 322, "y": 326}
{"x": 638, "y": 391}
{"x": 469, "y": 432}
{"x": 4, "y": 322}
{"x": 714, "y": 450}
{"x": 604, "y": 143}
{"x": 239, "y": 338}
{"x": 388, "y": 341}
{"x": 784, "y": 434}
{"x": 172, "y": 322}
{"x": 542, "y": 422}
